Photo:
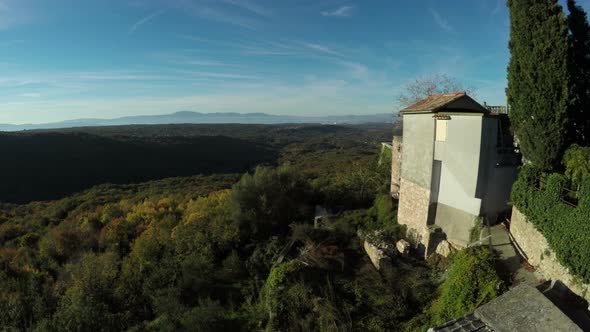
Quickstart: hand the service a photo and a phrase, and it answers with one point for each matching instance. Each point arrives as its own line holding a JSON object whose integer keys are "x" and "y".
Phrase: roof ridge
{"x": 435, "y": 102}
{"x": 450, "y": 93}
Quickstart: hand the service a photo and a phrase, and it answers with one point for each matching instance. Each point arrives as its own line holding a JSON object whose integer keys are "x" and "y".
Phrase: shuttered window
{"x": 441, "y": 130}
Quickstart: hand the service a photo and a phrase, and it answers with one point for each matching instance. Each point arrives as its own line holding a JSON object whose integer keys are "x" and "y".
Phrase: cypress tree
{"x": 539, "y": 80}
{"x": 579, "y": 125}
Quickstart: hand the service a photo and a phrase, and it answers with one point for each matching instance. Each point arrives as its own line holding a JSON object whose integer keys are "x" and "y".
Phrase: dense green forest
{"x": 50, "y": 164}
{"x": 231, "y": 252}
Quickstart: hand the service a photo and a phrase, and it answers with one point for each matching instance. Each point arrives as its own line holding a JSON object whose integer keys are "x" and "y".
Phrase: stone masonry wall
{"x": 538, "y": 253}
{"x": 413, "y": 210}
{"x": 396, "y": 165}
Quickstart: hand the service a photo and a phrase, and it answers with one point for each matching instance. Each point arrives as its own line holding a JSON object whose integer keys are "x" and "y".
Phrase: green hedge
{"x": 567, "y": 229}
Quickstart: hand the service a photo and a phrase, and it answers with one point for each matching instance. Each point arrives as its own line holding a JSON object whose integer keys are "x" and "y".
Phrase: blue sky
{"x": 64, "y": 59}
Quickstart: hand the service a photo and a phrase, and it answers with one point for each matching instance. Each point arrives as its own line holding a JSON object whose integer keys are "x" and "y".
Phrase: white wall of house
{"x": 417, "y": 159}
{"x": 460, "y": 163}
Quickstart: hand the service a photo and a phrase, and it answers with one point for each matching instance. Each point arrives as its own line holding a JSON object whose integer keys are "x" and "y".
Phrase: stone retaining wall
{"x": 396, "y": 165}
{"x": 538, "y": 253}
{"x": 413, "y": 210}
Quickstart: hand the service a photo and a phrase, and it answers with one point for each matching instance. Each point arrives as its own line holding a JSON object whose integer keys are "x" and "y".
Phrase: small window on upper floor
{"x": 441, "y": 130}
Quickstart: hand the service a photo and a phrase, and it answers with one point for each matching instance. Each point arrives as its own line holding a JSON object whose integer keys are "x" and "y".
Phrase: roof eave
{"x": 447, "y": 110}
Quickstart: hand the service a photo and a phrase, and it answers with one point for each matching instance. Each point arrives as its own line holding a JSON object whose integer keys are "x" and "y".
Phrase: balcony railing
{"x": 498, "y": 109}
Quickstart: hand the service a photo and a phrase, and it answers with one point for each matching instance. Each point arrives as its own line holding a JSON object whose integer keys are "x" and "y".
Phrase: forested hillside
{"x": 198, "y": 253}
{"x": 41, "y": 165}
{"x": 230, "y": 252}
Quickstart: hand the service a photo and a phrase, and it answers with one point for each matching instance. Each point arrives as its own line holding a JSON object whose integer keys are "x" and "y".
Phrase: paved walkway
{"x": 514, "y": 269}
{"x": 512, "y": 266}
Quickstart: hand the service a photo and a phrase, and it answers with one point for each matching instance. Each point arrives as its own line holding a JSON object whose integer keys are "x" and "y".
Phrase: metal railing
{"x": 498, "y": 109}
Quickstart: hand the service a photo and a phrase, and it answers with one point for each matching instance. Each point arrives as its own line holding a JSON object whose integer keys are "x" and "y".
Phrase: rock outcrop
{"x": 377, "y": 255}
{"x": 444, "y": 248}
{"x": 403, "y": 247}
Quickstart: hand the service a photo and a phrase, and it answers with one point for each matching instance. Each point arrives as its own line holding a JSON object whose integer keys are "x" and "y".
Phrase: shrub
{"x": 472, "y": 282}
{"x": 272, "y": 198}
{"x": 383, "y": 207}
{"x": 475, "y": 231}
{"x": 383, "y": 219}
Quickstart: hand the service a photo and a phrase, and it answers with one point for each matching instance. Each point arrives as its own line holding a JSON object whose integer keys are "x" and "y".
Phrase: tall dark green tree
{"x": 579, "y": 125}
{"x": 539, "y": 79}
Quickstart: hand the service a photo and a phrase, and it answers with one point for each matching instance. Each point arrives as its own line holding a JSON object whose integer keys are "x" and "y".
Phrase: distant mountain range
{"x": 195, "y": 117}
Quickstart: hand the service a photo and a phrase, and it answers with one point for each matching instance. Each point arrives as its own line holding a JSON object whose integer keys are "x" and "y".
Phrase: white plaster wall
{"x": 418, "y": 155}
{"x": 452, "y": 192}
{"x": 460, "y": 156}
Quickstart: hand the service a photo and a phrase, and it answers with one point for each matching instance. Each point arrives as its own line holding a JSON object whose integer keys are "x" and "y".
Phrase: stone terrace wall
{"x": 537, "y": 251}
{"x": 396, "y": 165}
{"x": 413, "y": 210}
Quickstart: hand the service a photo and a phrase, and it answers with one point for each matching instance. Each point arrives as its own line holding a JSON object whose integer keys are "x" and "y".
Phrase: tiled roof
{"x": 523, "y": 308}
{"x": 437, "y": 102}
{"x": 468, "y": 323}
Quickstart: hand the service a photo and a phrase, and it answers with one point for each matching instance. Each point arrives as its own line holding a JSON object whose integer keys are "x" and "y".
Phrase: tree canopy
{"x": 539, "y": 80}
{"x": 579, "y": 126}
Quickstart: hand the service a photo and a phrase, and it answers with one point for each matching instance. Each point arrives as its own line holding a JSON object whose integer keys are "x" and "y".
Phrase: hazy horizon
{"x": 98, "y": 117}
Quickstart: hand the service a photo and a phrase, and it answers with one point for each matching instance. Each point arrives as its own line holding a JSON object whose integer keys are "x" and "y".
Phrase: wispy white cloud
{"x": 210, "y": 10}
{"x": 250, "y": 6}
{"x": 68, "y": 81}
{"x": 108, "y": 76}
{"x": 357, "y": 70}
{"x": 170, "y": 75}
{"x": 215, "y": 42}
{"x": 221, "y": 75}
{"x": 20, "y": 81}
{"x": 193, "y": 58}
{"x": 30, "y": 95}
{"x": 441, "y": 21}
{"x": 321, "y": 48}
{"x": 204, "y": 63}
{"x": 342, "y": 11}
{"x": 143, "y": 21}
{"x": 261, "y": 47}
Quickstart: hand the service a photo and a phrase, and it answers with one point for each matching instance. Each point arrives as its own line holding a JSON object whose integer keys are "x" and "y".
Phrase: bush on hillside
{"x": 472, "y": 282}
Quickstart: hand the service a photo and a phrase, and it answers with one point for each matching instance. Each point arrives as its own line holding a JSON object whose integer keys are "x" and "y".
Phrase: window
{"x": 441, "y": 130}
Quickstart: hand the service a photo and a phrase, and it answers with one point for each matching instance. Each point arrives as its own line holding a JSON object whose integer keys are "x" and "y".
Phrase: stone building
{"x": 457, "y": 164}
